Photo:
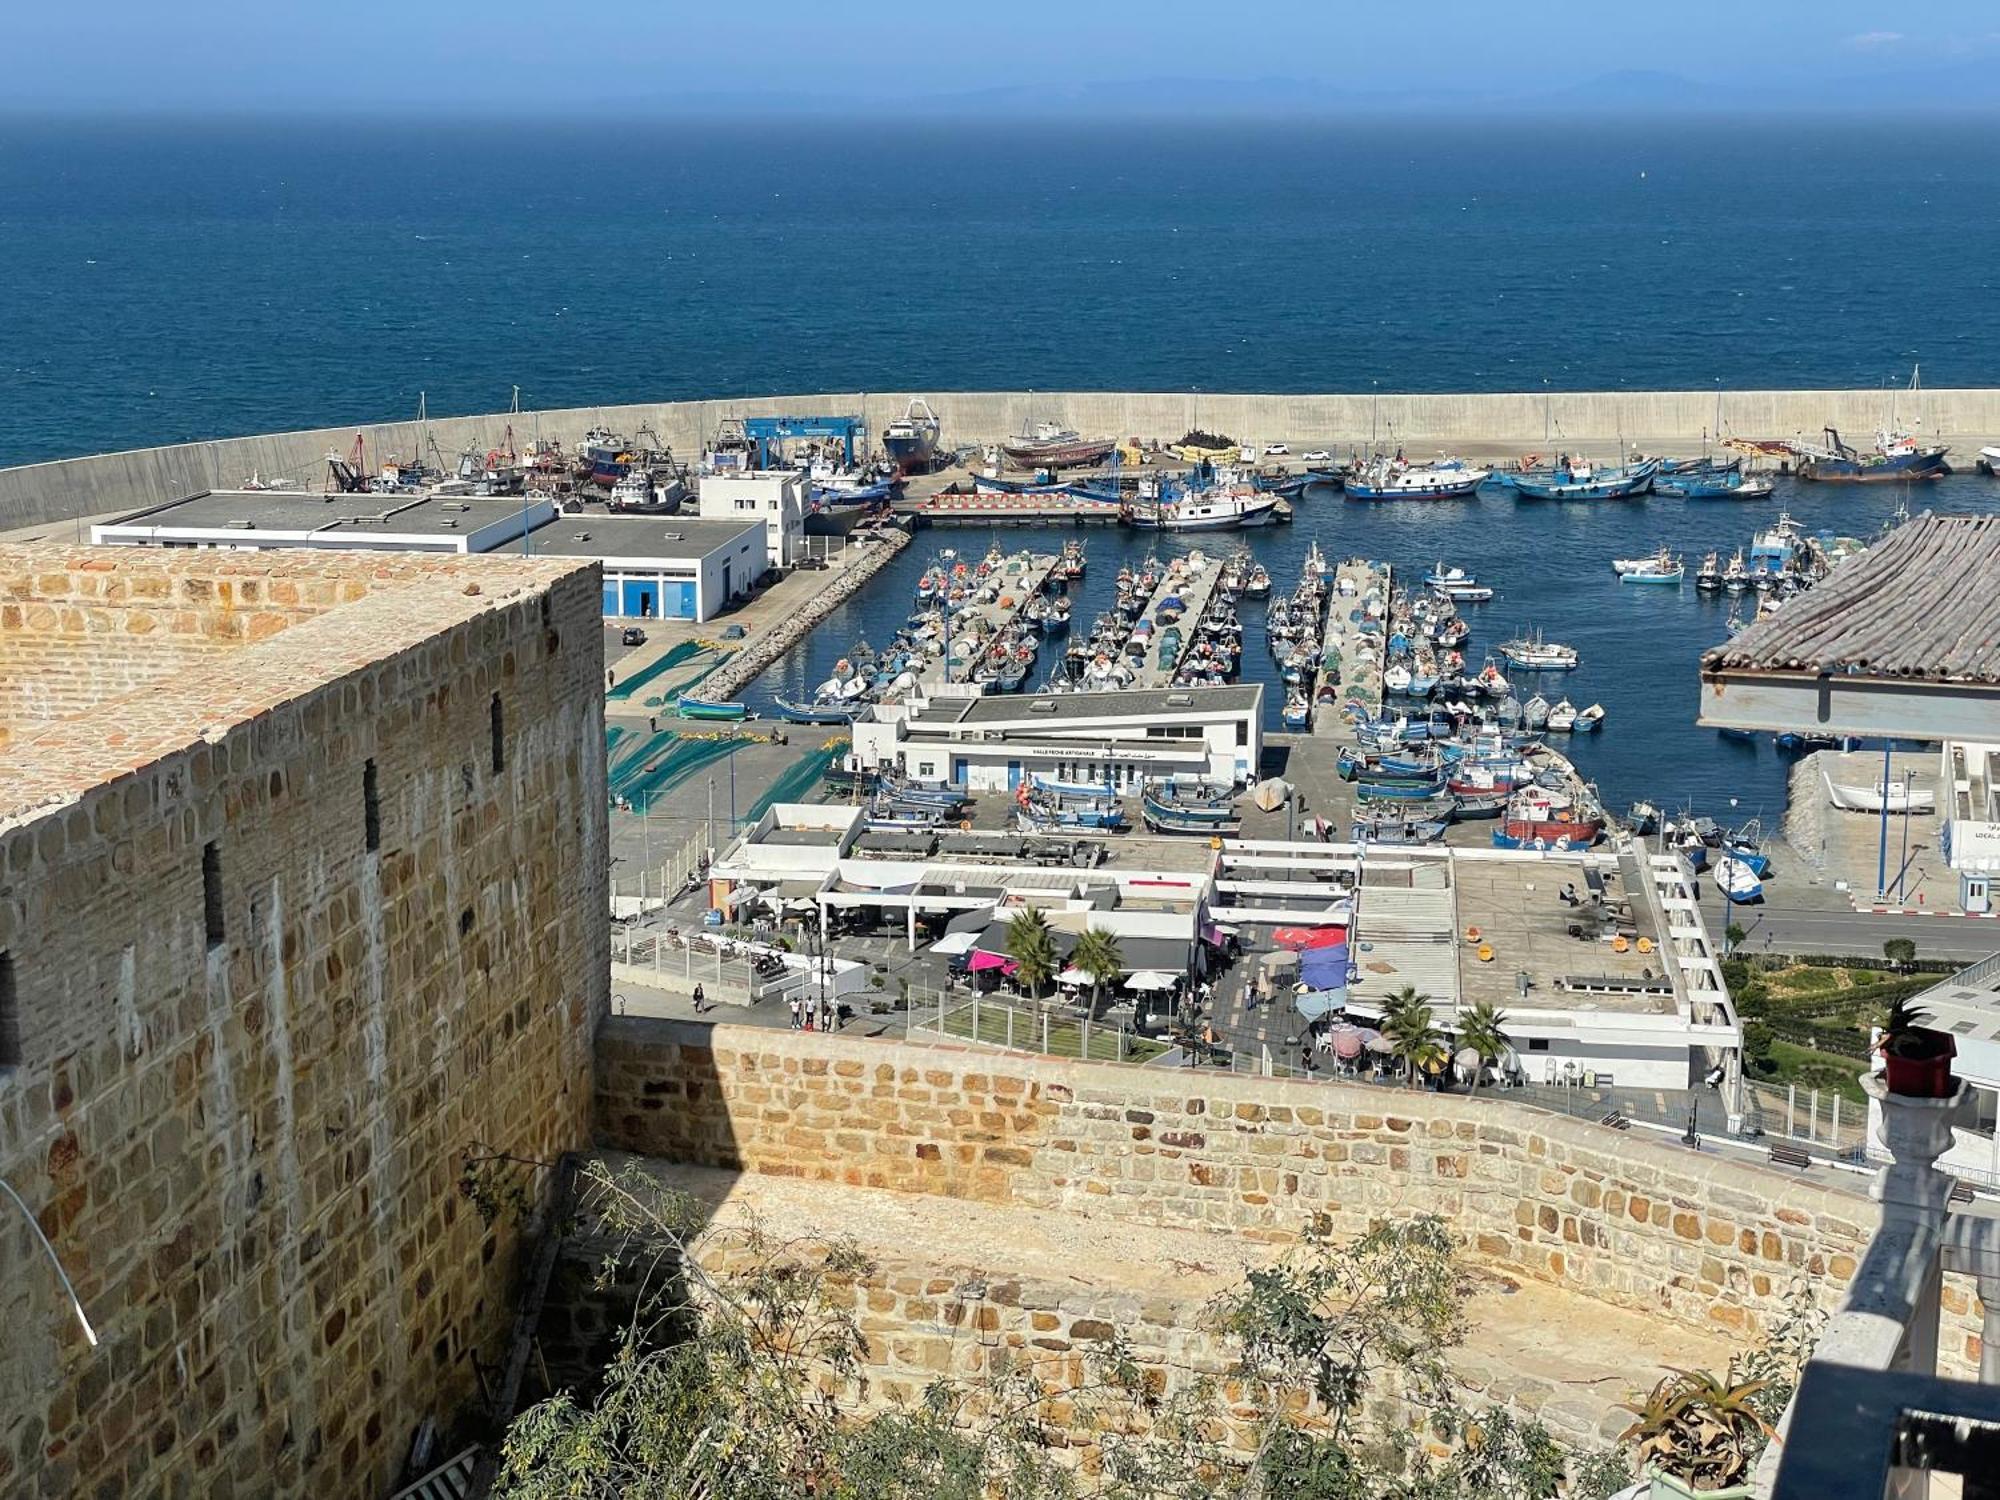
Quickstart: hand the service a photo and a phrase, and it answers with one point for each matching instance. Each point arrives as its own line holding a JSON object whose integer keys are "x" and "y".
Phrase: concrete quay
{"x": 1360, "y": 678}
{"x": 1195, "y": 588}
{"x": 1474, "y": 424}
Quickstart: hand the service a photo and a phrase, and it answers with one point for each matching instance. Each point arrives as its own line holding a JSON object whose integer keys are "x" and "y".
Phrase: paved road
{"x": 1778, "y": 928}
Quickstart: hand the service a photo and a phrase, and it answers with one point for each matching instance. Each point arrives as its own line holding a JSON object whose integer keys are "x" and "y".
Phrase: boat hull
{"x": 1059, "y": 455}
{"x": 1927, "y": 463}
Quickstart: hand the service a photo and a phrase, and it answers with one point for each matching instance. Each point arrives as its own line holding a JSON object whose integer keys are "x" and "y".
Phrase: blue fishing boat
{"x": 1399, "y": 791}
{"x": 1725, "y": 484}
{"x": 1707, "y": 464}
{"x": 704, "y": 708}
{"x": 857, "y": 494}
{"x": 1576, "y": 480}
{"x": 1193, "y": 814}
{"x": 823, "y": 713}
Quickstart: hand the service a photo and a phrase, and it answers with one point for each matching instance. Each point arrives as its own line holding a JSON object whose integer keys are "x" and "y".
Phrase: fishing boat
{"x": 1538, "y": 655}
{"x": 1988, "y": 461}
{"x": 1212, "y": 814}
{"x": 1721, "y": 485}
{"x": 1895, "y": 796}
{"x": 1708, "y": 577}
{"x": 1160, "y": 818}
{"x": 815, "y": 713}
{"x": 1663, "y": 567}
{"x": 1739, "y": 882}
{"x": 1466, "y": 593}
{"x": 1215, "y": 510}
{"x": 1398, "y": 479}
{"x": 1707, "y": 464}
{"x": 1404, "y": 831}
{"x": 911, "y": 440}
{"x": 1576, "y": 479}
{"x": 1896, "y": 456}
{"x": 704, "y": 708}
{"x": 1052, "y": 446}
{"x": 1297, "y": 713}
{"x": 1539, "y": 819}
{"x": 1587, "y": 719}
{"x": 604, "y": 456}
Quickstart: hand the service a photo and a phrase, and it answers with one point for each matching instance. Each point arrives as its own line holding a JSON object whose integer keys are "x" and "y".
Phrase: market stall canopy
{"x": 1073, "y": 976}
{"x": 982, "y": 961}
{"x": 1324, "y": 968}
{"x": 954, "y": 943}
{"x": 1312, "y": 1004}
{"x": 1279, "y": 964}
{"x": 1308, "y": 937}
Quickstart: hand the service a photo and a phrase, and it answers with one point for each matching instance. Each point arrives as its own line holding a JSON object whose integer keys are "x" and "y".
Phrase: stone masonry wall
{"x": 236, "y": 1088}
{"x": 1708, "y": 1242}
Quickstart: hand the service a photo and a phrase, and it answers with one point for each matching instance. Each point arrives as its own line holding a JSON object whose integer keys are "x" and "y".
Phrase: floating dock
{"x": 1017, "y": 585}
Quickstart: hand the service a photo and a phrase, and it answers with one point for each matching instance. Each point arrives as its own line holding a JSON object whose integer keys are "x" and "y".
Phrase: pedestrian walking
{"x": 795, "y": 1012}
{"x": 700, "y": 1001}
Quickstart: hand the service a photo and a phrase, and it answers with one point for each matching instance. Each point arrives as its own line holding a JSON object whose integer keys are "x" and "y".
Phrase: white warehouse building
{"x": 990, "y": 743}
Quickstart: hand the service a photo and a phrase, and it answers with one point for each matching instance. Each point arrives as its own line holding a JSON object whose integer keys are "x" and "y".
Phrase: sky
{"x": 648, "y": 57}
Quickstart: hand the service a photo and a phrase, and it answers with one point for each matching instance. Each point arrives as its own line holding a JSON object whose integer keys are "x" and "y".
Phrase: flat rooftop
{"x": 604, "y": 536}
{"x": 113, "y": 659}
{"x": 304, "y": 510}
{"x": 1065, "y": 708}
{"x": 1518, "y": 908}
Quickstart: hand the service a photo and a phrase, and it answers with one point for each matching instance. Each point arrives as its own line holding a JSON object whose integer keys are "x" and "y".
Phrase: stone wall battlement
{"x": 1710, "y": 1243}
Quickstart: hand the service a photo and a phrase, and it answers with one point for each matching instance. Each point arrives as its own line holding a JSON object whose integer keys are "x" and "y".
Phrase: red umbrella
{"x": 1300, "y": 938}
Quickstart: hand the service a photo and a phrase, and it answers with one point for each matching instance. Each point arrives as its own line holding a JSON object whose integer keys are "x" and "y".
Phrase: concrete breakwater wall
{"x": 1473, "y": 423}
{"x": 741, "y": 670}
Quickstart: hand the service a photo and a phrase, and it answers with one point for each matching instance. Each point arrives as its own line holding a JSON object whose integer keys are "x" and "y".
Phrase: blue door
{"x": 957, "y": 771}
{"x": 1013, "y": 774}
{"x": 642, "y": 600}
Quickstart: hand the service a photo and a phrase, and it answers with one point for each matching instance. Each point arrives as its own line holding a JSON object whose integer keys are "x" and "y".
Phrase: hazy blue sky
{"x": 642, "y": 56}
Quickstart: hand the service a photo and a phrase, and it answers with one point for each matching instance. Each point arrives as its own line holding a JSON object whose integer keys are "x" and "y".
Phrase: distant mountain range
{"x": 1963, "y": 85}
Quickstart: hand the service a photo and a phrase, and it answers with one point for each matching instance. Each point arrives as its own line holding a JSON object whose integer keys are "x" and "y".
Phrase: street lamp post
{"x": 1903, "y": 868}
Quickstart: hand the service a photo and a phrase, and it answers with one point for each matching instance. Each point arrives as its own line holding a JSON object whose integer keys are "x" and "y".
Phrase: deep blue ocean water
{"x": 161, "y": 281}
{"x": 164, "y": 280}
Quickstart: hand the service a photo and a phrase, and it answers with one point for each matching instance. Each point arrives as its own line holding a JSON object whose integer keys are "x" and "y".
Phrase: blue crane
{"x": 763, "y": 431}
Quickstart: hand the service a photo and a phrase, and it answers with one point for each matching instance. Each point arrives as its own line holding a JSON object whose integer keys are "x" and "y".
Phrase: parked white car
{"x": 1276, "y": 450}
{"x": 1319, "y": 456}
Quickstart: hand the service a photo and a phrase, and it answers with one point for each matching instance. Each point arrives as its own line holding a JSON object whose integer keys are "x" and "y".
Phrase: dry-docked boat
{"x": 1050, "y": 446}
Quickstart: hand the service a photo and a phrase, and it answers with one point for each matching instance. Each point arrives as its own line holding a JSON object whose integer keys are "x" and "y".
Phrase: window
{"x": 371, "y": 806}
{"x": 1538, "y": 1044}
{"x": 211, "y": 895}
{"x": 497, "y": 726}
{"x": 10, "y": 1016}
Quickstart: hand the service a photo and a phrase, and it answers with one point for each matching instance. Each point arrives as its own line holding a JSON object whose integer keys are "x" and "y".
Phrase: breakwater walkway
{"x": 860, "y": 563}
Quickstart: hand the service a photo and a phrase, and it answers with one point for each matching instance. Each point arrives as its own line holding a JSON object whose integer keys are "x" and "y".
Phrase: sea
{"x": 163, "y": 280}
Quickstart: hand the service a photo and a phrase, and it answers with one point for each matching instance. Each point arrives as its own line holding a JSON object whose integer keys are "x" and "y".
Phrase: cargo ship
{"x": 1053, "y": 447}
{"x": 911, "y": 440}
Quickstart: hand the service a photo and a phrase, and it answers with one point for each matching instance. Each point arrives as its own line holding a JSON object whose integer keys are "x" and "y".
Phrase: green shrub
{"x": 1810, "y": 981}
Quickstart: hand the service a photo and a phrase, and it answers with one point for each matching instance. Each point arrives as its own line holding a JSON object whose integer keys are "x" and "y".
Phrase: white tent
{"x": 954, "y": 943}
{"x": 1073, "y": 976}
{"x": 1151, "y": 979}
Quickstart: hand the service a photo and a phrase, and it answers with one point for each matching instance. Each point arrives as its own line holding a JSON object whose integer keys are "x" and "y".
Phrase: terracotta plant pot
{"x": 1668, "y": 1487}
{"x": 1917, "y": 1064}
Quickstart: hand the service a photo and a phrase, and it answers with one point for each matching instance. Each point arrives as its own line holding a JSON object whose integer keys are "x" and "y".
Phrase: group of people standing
{"x": 821, "y": 1014}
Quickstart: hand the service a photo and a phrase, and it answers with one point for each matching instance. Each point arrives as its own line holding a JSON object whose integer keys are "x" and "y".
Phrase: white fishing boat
{"x": 1588, "y": 719}
{"x": 1443, "y": 577}
{"x": 1739, "y": 882}
{"x": 1562, "y": 717}
{"x": 1465, "y": 593}
{"x": 1664, "y": 567}
{"x": 1538, "y": 655}
{"x": 1899, "y": 796}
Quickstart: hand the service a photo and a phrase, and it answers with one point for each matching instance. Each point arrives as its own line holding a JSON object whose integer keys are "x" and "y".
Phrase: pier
{"x": 990, "y": 618}
{"x": 1196, "y": 588}
{"x": 1360, "y": 672}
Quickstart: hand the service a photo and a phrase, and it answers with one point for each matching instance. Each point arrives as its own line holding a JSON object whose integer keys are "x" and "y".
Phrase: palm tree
{"x": 1097, "y": 954}
{"x": 1031, "y": 948}
{"x": 1483, "y": 1030}
{"x": 1412, "y": 1032}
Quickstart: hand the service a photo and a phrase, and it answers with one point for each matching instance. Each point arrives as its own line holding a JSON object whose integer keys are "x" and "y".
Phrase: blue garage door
{"x": 678, "y": 601}
{"x": 642, "y": 599}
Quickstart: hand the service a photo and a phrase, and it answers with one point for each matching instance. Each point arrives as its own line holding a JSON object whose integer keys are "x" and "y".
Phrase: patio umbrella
{"x": 1347, "y": 1041}
{"x": 1073, "y": 976}
{"x": 1151, "y": 979}
{"x": 982, "y": 960}
{"x": 1308, "y": 937}
{"x": 1381, "y": 1044}
{"x": 954, "y": 943}
{"x": 1312, "y": 1004}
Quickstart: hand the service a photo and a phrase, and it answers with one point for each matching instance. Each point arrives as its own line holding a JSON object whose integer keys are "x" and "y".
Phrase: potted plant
{"x": 1698, "y": 1435}
{"x": 1916, "y": 1058}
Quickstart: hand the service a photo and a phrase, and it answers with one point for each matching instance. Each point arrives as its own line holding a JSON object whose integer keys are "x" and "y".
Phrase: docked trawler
{"x": 1896, "y": 456}
{"x": 1052, "y": 447}
{"x": 911, "y": 440}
